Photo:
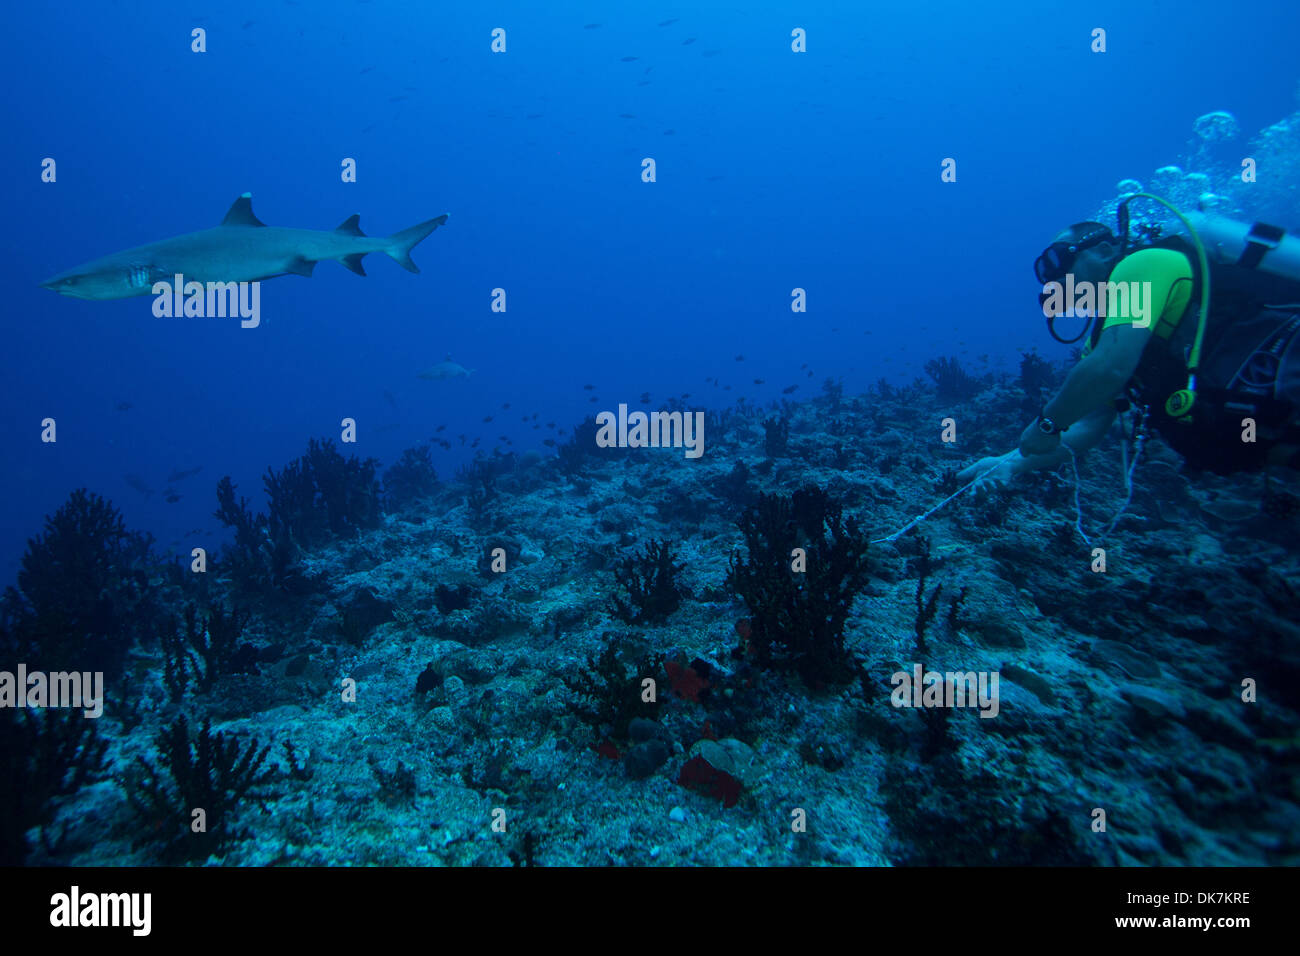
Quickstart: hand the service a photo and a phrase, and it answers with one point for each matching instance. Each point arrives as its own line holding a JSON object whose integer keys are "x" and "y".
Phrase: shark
{"x": 241, "y": 249}
{"x": 446, "y": 369}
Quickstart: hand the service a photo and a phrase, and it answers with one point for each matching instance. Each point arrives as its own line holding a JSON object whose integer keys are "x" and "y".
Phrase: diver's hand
{"x": 994, "y": 472}
{"x": 1034, "y": 441}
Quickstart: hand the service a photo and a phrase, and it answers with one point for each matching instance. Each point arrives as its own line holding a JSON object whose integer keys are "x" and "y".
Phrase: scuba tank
{"x": 1259, "y": 246}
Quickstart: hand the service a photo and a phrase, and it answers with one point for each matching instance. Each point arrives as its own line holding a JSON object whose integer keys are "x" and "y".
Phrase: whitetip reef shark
{"x": 241, "y": 249}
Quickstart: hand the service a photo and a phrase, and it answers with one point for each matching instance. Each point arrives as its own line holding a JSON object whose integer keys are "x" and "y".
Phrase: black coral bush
{"x": 649, "y": 579}
{"x": 313, "y": 498}
{"x": 212, "y": 773}
{"x": 797, "y": 617}
{"x": 44, "y": 754}
{"x": 412, "y": 478}
{"x": 83, "y": 590}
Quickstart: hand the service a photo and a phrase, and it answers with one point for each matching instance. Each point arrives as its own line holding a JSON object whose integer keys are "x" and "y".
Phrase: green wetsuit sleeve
{"x": 1151, "y": 284}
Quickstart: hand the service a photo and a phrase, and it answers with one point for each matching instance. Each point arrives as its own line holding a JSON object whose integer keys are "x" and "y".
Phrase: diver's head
{"x": 1086, "y": 249}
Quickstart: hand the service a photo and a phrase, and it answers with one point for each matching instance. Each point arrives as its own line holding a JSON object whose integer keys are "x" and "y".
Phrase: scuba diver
{"x": 1205, "y": 348}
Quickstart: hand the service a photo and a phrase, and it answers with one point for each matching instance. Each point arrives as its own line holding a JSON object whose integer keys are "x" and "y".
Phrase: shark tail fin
{"x": 401, "y": 243}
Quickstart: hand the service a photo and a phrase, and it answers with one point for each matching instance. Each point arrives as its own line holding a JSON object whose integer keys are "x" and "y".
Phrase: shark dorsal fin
{"x": 241, "y": 213}
{"x": 351, "y": 226}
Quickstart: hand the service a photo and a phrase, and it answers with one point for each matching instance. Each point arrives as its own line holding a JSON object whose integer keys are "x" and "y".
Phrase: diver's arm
{"x": 1100, "y": 375}
{"x": 1084, "y": 405}
{"x": 1091, "y": 385}
{"x": 1085, "y": 433}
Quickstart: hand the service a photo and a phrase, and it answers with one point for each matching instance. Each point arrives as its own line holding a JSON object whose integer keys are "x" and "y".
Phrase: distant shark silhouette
{"x": 446, "y": 369}
{"x": 241, "y": 249}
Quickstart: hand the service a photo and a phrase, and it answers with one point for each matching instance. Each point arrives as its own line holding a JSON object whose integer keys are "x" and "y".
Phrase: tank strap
{"x": 1261, "y": 240}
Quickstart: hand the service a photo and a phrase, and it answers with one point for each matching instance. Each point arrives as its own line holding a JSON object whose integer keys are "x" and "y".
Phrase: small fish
{"x": 550, "y": 424}
{"x": 549, "y": 442}
{"x": 124, "y": 406}
{"x": 595, "y": 398}
{"x": 645, "y": 398}
{"x": 688, "y": 41}
{"x": 139, "y": 484}
{"x": 669, "y": 132}
{"x": 668, "y": 23}
{"x": 172, "y": 498}
{"x": 439, "y": 428}
{"x": 591, "y": 26}
{"x": 588, "y": 388}
{"x": 789, "y": 390}
{"x": 506, "y": 407}
{"x": 179, "y": 475}
{"x": 740, "y": 358}
{"x": 627, "y": 116}
{"x": 629, "y": 59}
{"x": 759, "y": 381}
{"x": 487, "y": 418}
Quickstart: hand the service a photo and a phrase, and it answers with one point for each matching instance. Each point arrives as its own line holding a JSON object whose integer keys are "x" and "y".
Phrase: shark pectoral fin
{"x": 241, "y": 213}
{"x": 406, "y": 240}
{"x": 353, "y": 262}
{"x": 301, "y": 267}
{"x": 351, "y": 226}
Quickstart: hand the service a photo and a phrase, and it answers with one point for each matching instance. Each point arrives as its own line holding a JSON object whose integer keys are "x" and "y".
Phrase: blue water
{"x": 819, "y": 171}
